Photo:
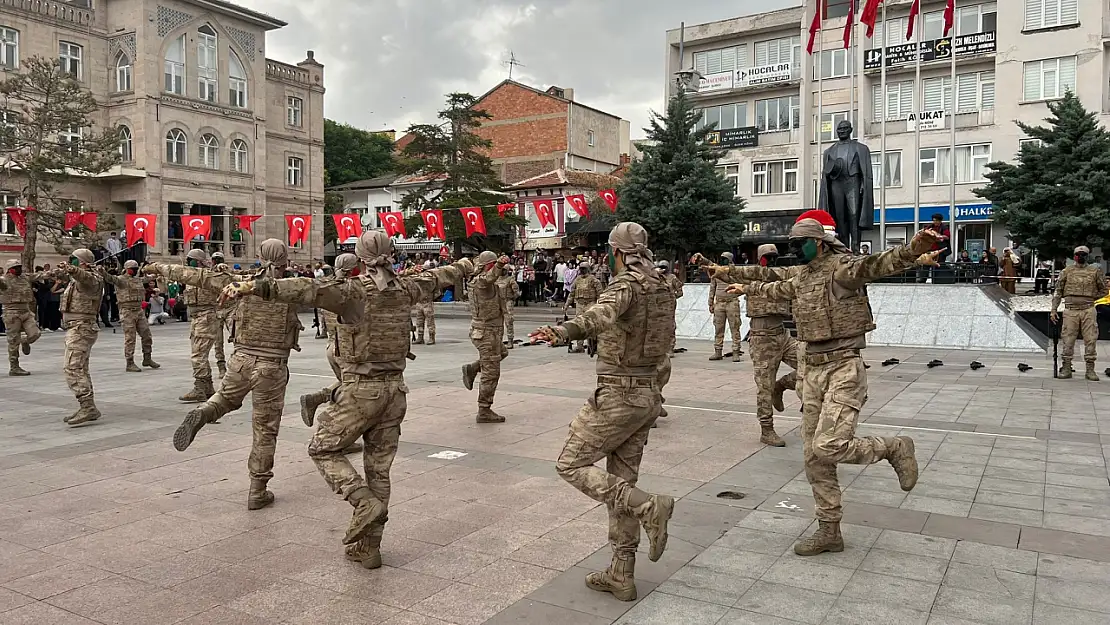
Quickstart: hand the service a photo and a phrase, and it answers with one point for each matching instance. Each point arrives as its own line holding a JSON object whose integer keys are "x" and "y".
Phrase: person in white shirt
{"x": 560, "y": 276}
{"x": 113, "y": 244}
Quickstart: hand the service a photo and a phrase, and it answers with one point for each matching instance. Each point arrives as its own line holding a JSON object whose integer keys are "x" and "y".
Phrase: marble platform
{"x": 911, "y": 315}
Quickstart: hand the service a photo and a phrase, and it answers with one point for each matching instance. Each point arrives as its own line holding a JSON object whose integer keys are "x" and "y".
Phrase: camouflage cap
{"x": 1082, "y": 249}
{"x": 197, "y": 254}
{"x": 131, "y": 264}
{"x": 486, "y": 258}
{"x": 12, "y": 264}
{"x": 84, "y": 255}
{"x": 765, "y": 249}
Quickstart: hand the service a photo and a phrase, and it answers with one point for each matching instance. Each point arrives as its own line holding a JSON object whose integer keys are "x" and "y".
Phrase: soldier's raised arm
{"x": 587, "y": 324}
{"x": 782, "y": 290}
{"x": 859, "y": 270}
{"x": 199, "y": 277}
{"x": 430, "y": 281}
{"x": 345, "y": 298}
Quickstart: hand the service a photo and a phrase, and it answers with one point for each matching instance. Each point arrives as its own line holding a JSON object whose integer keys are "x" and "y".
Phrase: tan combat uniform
{"x": 1079, "y": 286}
{"x": 509, "y": 291}
{"x": 726, "y": 309}
{"x": 833, "y": 317}
{"x": 80, "y": 306}
{"x": 583, "y": 294}
{"x": 486, "y": 325}
{"x": 18, "y": 299}
{"x": 205, "y": 332}
{"x": 426, "y": 320}
{"x": 664, "y": 372}
{"x": 130, "y": 293}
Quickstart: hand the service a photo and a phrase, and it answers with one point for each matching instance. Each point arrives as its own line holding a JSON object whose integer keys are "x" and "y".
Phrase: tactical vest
{"x": 586, "y": 290}
{"x": 1082, "y": 282}
{"x": 820, "y": 316}
{"x": 19, "y": 291}
{"x": 131, "y": 291}
{"x": 78, "y": 299}
{"x": 268, "y": 325}
{"x": 200, "y": 298}
{"x": 643, "y": 335}
{"x": 759, "y": 306}
{"x": 485, "y": 303}
{"x": 383, "y": 335}
{"x": 508, "y": 288}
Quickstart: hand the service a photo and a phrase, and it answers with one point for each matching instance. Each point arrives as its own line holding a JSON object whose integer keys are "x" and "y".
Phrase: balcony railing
{"x": 284, "y": 71}
{"x": 77, "y": 11}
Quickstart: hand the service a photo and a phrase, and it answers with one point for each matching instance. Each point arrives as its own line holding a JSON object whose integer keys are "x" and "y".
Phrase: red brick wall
{"x": 516, "y": 132}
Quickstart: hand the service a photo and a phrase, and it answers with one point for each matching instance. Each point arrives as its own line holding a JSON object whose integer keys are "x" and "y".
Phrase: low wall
{"x": 908, "y": 315}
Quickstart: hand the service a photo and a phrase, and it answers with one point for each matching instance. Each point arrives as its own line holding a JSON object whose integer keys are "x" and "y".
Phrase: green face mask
{"x": 809, "y": 249}
{"x": 73, "y": 260}
{"x": 612, "y": 258}
{"x": 191, "y": 262}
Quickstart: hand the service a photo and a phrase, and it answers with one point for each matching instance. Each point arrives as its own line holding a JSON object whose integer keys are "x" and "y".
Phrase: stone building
{"x": 208, "y": 125}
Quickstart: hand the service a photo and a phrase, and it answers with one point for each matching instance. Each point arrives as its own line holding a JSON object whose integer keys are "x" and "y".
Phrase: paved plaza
{"x": 1009, "y": 524}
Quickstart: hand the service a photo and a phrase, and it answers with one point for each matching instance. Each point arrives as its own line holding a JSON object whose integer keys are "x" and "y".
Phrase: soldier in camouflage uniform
{"x": 80, "y": 306}
{"x": 130, "y": 293}
{"x": 833, "y": 317}
{"x": 426, "y": 320}
{"x": 486, "y": 325}
{"x": 17, "y": 297}
{"x": 633, "y": 321}
{"x": 205, "y": 329}
{"x": 370, "y": 403}
{"x": 582, "y": 295}
{"x": 1079, "y": 286}
{"x": 725, "y": 307}
{"x": 222, "y": 313}
{"x": 509, "y": 291}
{"x": 263, "y": 333}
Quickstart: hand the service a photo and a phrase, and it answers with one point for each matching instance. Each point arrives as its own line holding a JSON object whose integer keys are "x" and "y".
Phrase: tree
{"x": 351, "y": 154}
{"x": 675, "y": 191}
{"x": 1057, "y": 196}
{"x": 48, "y": 142}
{"x": 453, "y": 159}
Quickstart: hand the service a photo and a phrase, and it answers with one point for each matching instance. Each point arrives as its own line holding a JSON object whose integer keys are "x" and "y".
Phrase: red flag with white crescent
{"x": 246, "y": 222}
{"x": 89, "y": 221}
{"x": 504, "y": 208}
{"x": 196, "y": 226}
{"x": 72, "y": 218}
{"x": 475, "y": 222}
{"x": 393, "y": 223}
{"x": 578, "y": 203}
{"x": 609, "y": 196}
{"x": 545, "y": 212}
{"x": 433, "y": 224}
{"x": 18, "y": 215}
{"x": 140, "y": 226}
{"x": 298, "y": 228}
{"x": 347, "y": 226}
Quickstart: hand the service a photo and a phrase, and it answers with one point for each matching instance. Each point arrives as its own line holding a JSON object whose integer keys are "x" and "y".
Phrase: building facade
{"x": 207, "y": 124}
{"x": 554, "y": 186}
{"x": 776, "y": 107}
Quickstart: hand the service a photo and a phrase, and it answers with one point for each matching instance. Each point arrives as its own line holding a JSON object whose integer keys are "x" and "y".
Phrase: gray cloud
{"x": 389, "y": 63}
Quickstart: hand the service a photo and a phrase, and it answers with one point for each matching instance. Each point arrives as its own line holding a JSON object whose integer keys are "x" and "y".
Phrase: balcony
{"x": 287, "y": 72}
{"x": 971, "y": 119}
{"x": 74, "y": 11}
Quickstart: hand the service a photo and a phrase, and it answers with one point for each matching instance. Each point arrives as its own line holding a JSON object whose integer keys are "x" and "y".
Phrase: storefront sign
{"x": 932, "y": 50}
{"x": 716, "y": 82}
{"x": 964, "y": 213}
{"x": 762, "y": 75}
{"x": 929, "y": 120}
{"x": 767, "y": 227}
{"x": 746, "y": 137}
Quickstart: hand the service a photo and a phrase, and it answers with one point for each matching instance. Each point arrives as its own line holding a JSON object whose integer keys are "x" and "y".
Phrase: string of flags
{"x": 869, "y": 15}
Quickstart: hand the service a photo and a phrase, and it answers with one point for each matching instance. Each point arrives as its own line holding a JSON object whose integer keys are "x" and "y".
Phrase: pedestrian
{"x": 1009, "y": 270}
{"x": 486, "y": 325}
{"x": 1079, "y": 286}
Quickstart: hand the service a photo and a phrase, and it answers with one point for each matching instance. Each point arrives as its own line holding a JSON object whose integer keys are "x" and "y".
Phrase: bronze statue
{"x": 847, "y": 187}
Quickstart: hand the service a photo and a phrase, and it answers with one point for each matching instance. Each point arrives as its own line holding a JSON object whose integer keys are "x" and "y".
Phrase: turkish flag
{"x": 869, "y": 14}
{"x": 246, "y": 222}
{"x": 848, "y": 25}
{"x": 89, "y": 221}
{"x": 73, "y": 218}
{"x": 140, "y": 226}
{"x": 19, "y": 217}
{"x": 545, "y": 212}
{"x": 474, "y": 220}
{"x": 578, "y": 203}
{"x": 609, "y": 196}
{"x": 433, "y": 224}
{"x": 949, "y": 16}
{"x": 196, "y": 226}
{"x": 504, "y": 208}
{"x": 298, "y": 228}
{"x": 394, "y": 223}
{"x": 347, "y": 226}
{"x": 814, "y": 28}
{"x": 915, "y": 10}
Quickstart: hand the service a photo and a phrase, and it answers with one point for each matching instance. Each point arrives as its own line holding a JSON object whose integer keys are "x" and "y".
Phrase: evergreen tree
{"x": 1057, "y": 196}
{"x": 675, "y": 191}
{"x": 351, "y": 154}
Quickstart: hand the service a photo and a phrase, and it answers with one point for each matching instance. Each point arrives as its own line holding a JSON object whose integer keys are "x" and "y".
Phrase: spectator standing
{"x": 113, "y": 245}
{"x": 1042, "y": 277}
{"x": 569, "y": 276}
{"x": 1009, "y": 270}
{"x": 944, "y": 236}
{"x": 560, "y": 276}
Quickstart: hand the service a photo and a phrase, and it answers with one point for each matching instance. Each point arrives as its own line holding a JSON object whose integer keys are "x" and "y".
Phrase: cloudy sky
{"x": 388, "y": 63}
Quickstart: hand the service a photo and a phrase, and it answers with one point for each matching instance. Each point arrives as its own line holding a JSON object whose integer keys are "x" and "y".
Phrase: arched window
{"x": 123, "y": 73}
{"x": 210, "y": 152}
{"x": 125, "y": 151}
{"x": 239, "y": 156}
{"x": 237, "y": 81}
{"x": 175, "y": 67}
{"x": 176, "y": 144}
{"x": 207, "y": 63}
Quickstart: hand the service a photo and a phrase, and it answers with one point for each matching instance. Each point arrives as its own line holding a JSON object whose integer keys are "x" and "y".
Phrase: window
{"x": 937, "y": 93}
{"x": 1033, "y": 142}
{"x": 125, "y": 149}
{"x": 70, "y": 140}
{"x": 833, "y": 64}
{"x": 971, "y": 164}
{"x": 69, "y": 57}
{"x": 782, "y": 50}
{"x": 207, "y": 63}
{"x": 892, "y": 177}
{"x": 175, "y": 67}
{"x": 294, "y": 171}
{"x": 590, "y": 138}
{"x": 210, "y": 152}
{"x": 294, "y": 108}
{"x": 9, "y": 47}
{"x": 722, "y": 60}
{"x": 725, "y": 116}
{"x": 974, "y": 92}
{"x": 829, "y": 122}
{"x": 123, "y": 73}
{"x": 899, "y": 101}
{"x": 176, "y": 144}
{"x": 1050, "y": 78}
{"x": 239, "y": 156}
{"x": 777, "y": 114}
{"x": 835, "y": 8}
{"x": 1050, "y": 13}
{"x": 968, "y": 20}
{"x": 237, "y": 82}
{"x": 731, "y": 173}
{"x": 775, "y": 177}
{"x": 979, "y": 18}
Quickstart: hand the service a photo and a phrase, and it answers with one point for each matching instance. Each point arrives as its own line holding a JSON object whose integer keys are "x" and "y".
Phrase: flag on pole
{"x": 814, "y": 27}
{"x": 246, "y": 222}
{"x": 949, "y": 17}
{"x": 197, "y": 226}
{"x": 869, "y": 15}
{"x": 915, "y": 9}
{"x": 849, "y": 23}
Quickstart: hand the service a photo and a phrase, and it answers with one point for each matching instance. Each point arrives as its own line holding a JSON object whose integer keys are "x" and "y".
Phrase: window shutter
{"x": 986, "y": 82}
{"x": 1034, "y": 9}
{"x": 934, "y": 94}
{"x": 1032, "y": 87}
{"x": 1069, "y": 11}
{"x": 1051, "y": 13}
{"x": 700, "y": 63}
{"x": 967, "y": 92}
{"x": 742, "y": 57}
{"x": 1066, "y": 75}
{"x": 713, "y": 61}
{"x": 761, "y": 53}
{"x": 905, "y": 103}
{"x": 728, "y": 60}
{"x": 876, "y": 41}
{"x": 876, "y": 102}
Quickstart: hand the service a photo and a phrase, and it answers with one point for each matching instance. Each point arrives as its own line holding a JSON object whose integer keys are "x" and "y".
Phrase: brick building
{"x": 208, "y": 125}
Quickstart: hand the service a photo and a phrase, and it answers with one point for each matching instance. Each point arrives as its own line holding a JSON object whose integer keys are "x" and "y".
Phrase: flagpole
{"x": 820, "y": 99}
{"x": 952, "y": 146}
{"x": 918, "y": 101}
{"x": 882, "y": 141}
{"x": 852, "y": 75}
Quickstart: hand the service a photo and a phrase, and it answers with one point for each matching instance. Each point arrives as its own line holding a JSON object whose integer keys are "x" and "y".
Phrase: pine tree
{"x": 675, "y": 191}
{"x": 1057, "y": 196}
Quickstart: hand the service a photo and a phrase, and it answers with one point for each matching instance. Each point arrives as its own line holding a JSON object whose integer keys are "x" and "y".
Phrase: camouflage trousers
{"x": 768, "y": 349}
{"x": 133, "y": 321}
{"x": 832, "y": 396}
{"x": 613, "y": 425}
{"x": 426, "y": 318}
{"x": 370, "y": 409}
{"x": 510, "y": 320}
{"x": 1079, "y": 323}
{"x": 265, "y": 379}
{"x": 21, "y": 328}
{"x": 80, "y": 336}
{"x": 205, "y": 332}
{"x": 331, "y": 357}
{"x": 663, "y": 376}
{"x": 490, "y": 354}
{"x": 726, "y": 311}
{"x": 579, "y": 308}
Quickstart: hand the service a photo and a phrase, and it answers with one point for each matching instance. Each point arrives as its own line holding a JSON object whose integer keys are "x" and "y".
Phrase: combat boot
{"x": 132, "y": 367}
{"x": 312, "y": 401}
{"x": 207, "y": 388}
{"x": 1065, "y": 370}
{"x": 469, "y": 372}
{"x": 900, "y": 454}
{"x": 736, "y": 354}
{"x": 367, "y": 511}
{"x": 419, "y": 341}
{"x": 716, "y": 355}
{"x": 768, "y": 436}
{"x": 26, "y": 347}
{"x": 187, "y": 431}
{"x": 86, "y": 413}
{"x": 654, "y": 515}
{"x": 1091, "y": 375}
{"x": 431, "y": 340}
{"x": 487, "y": 415}
{"x": 16, "y": 371}
{"x": 196, "y": 395}
{"x": 259, "y": 497}
{"x": 777, "y": 392}
{"x": 366, "y": 552}
{"x": 617, "y": 579}
{"x": 826, "y": 538}
{"x": 149, "y": 362}
{"x": 221, "y": 368}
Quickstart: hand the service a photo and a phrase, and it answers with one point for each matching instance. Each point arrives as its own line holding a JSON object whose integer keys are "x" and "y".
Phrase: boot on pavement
{"x": 419, "y": 341}
{"x": 617, "y": 579}
{"x": 367, "y": 552}
{"x": 716, "y": 354}
{"x": 826, "y": 538}
{"x": 367, "y": 511}
{"x": 310, "y": 402}
{"x": 1065, "y": 370}
{"x": 132, "y": 367}
{"x": 85, "y": 414}
{"x": 149, "y": 362}
{"x": 653, "y": 515}
{"x": 259, "y": 497}
{"x": 900, "y": 454}
{"x": 768, "y": 436}
{"x": 431, "y": 339}
{"x": 15, "y": 370}
{"x": 487, "y": 415}
{"x": 736, "y": 354}
{"x": 197, "y": 394}
{"x": 1091, "y": 375}
{"x": 469, "y": 372}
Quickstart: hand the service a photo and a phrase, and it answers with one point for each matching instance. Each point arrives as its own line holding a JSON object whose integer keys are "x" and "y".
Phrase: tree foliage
{"x": 1057, "y": 196}
{"x": 352, "y": 154}
{"x": 44, "y": 109}
{"x": 675, "y": 191}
